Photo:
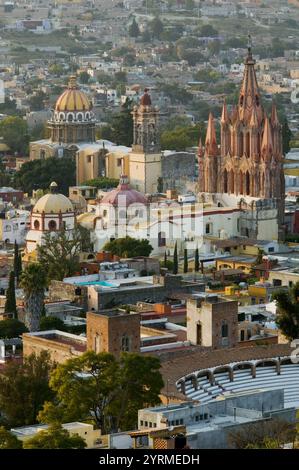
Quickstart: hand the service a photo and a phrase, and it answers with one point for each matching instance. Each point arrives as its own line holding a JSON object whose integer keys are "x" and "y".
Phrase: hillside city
{"x": 149, "y": 224}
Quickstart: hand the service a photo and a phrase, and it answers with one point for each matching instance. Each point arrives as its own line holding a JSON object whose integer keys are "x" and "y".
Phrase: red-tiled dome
{"x": 145, "y": 100}
{"x": 123, "y": 195}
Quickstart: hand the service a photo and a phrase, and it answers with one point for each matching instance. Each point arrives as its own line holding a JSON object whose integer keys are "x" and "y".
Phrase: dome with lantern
{"x": 123, "y": 195}
{"x": 73, "y": 104}
{"x": 53, "y": 212}
{"x": 72, "y": 118}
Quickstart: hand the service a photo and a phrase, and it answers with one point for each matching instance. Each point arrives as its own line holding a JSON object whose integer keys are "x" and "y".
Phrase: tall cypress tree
{"x": 185, "y": 260}
{"x": 175, "y": 260}
{"x": 134, "y": 30}
{"x": 20, "y": 267}
{"x": 10, "y": 304}
{"x": 17, "y": 262}
{"x": 196, "y": 261}
{"x": 165, "y": 260}
{"x": 15, "y": 259}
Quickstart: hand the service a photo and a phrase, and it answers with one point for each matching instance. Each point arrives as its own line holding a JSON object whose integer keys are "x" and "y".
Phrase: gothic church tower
{"x": 249, "y": 162}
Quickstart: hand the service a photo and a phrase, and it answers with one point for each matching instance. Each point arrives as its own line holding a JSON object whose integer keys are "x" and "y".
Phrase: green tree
{"x": 128, "y": 247}
{"x": 160, "y": 185}
{"x": 37, "y": 101}
{"x": 165, "y": 260}
{"x": 104, "y": 389}
{"x": 122, "y": 126}
{"x": 56, "y": 69}
{"x": 189, "y": 5}
{"x": 12, "y": 328}
{"x": 156, "y": 27}
{"x": 134, "y": 31}
{"x": 214, "y": 47}
{"x": 84, "y": 77}
{"x": 175, "y": 259}
{"x": 266, "y": 434}
{"x": 17, "y": 262}
{"x": 207, "y": 30}
{"x": 10, "y": 303}
{"x": 14, "y": 132}
{"x": 286, "y": 137}
{"x": 185, "y": 260}
{"x": 24, "y": 387}
{"x": 9, "y": 440}
{"x": 33, "y": 282}
{"x": 196, "y": 260}
{"x": 59, "y": 253}
{"x": 175, "y": 140}
{"x": 140, "y": 383}
{"x": 102, "y": 182}
{"x": 51, "y": 323}
{"x": 287, "y": 317}
{"x": 39, "y": 174}
{"x": 55, "y": 437}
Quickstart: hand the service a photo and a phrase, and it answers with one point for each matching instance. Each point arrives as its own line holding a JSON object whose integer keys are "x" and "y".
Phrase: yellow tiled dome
{"x": 73, "y": 99}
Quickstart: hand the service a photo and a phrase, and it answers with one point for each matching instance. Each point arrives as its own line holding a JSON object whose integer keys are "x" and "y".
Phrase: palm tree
{"x": 287, "y": 317}
{"x": 33, "y": 282}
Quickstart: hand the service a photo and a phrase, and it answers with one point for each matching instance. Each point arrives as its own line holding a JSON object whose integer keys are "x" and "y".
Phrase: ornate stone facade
{"x": 249, "y": 161}
{"x": 145, "y": 159}
{"x": 145, "y": 130}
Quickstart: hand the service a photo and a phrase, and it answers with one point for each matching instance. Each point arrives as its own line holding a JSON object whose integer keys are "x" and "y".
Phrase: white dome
{"x": 53, "y": 204}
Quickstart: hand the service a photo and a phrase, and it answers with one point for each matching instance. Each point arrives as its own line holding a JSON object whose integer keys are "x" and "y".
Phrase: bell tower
{"x": 145, "y": 159}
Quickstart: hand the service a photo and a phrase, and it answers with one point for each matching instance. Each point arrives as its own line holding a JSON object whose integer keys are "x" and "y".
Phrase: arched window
{"x": 42, "y": 154}
{"x": 225, "y": 185}
{"x": 52, "y": 225}
{"x": 161, "y": 239}
{"x": 258, "y": 144}
{"x": 241, "y": 183}
{"x": 241, "y": 147}
{"x": 70, "y": 117}
{"x": 262, "y": 184}
{"x": 208, "y": 228}
{"x": 247, "y": 144}
{"x": 125, "y": 343}
{"x": 224, "y": 330}
{"x": 36, "y": 225}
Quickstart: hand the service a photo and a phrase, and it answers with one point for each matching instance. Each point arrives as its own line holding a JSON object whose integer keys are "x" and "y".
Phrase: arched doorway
{"x": 241, "y": 183}
{"x": 247, "y": 179}
{"x": 232, "y": 182}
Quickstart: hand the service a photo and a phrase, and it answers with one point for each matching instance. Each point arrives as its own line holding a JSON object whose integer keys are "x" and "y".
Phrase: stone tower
{"x": 249, "y": 161}
{"x": 145, "y": 159}
{"x": 113, "y": 331}
{"x": 212, "y": 321}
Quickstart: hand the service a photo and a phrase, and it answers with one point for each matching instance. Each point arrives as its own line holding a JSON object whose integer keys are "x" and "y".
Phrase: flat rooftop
{"x": 114, "y": 313}
{"x": 75, "y": 341}
{"x": 29, "y": 430}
